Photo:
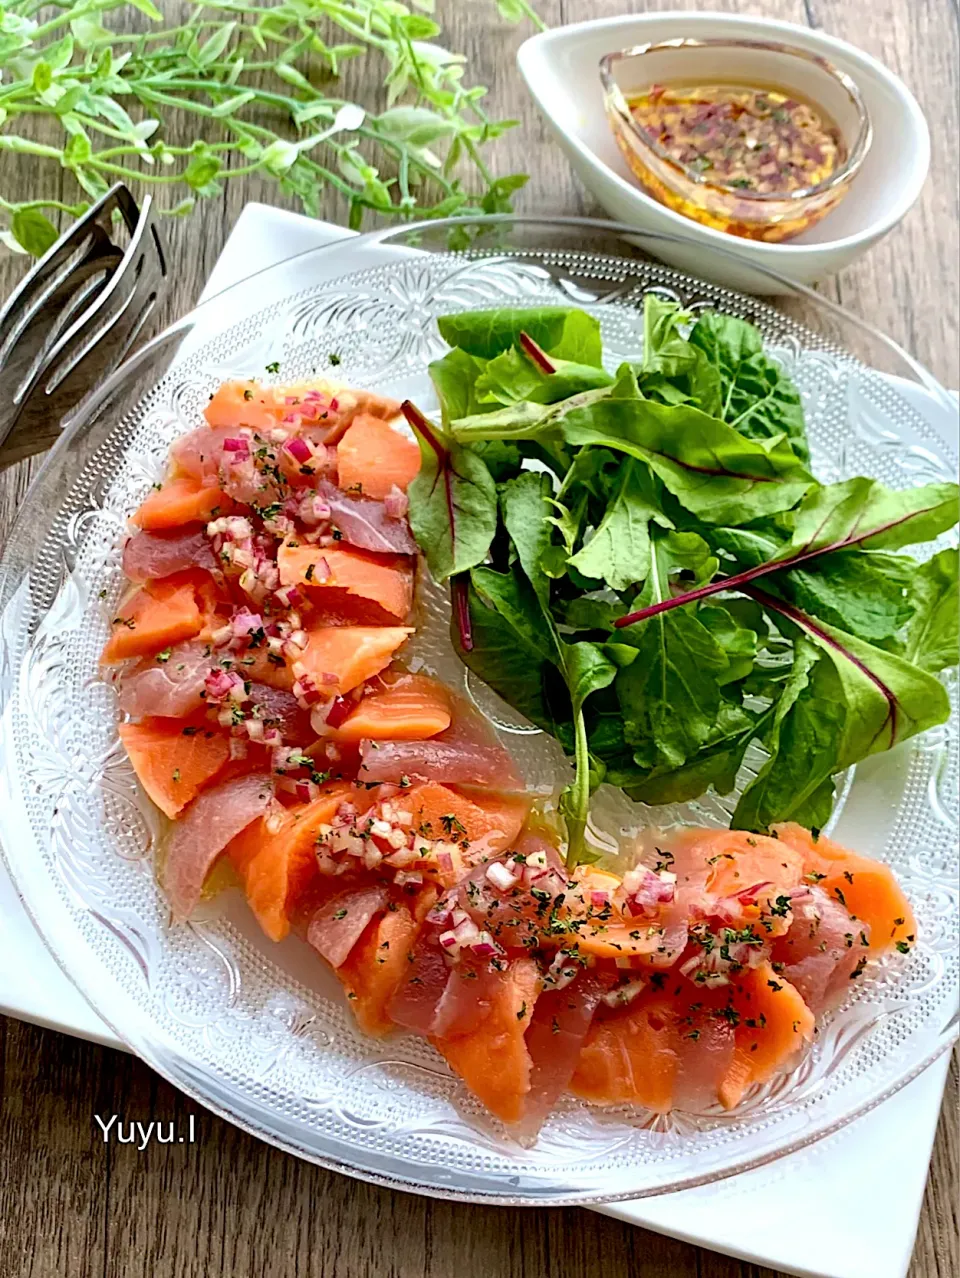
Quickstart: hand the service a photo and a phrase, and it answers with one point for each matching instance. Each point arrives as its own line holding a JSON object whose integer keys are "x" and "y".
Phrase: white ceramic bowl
{"x": 561, "y": 68}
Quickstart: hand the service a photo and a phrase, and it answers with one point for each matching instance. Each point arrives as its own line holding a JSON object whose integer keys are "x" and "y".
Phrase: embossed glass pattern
{"x": 260, "y": 1032}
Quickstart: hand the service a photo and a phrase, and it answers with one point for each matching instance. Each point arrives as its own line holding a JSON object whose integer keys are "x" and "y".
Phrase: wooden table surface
{"x": 71, "y": 1205}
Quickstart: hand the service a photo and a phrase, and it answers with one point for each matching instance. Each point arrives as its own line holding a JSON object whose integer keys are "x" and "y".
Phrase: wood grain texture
{"x": 72, "y": 1207}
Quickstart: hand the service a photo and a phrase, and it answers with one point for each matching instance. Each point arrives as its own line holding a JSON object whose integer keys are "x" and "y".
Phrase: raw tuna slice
{"x": 365, "y": 523}
{"x": 704, "y": 1061}
{"x": 492, "y": 1057}
{"x": 380, "y": 960}
{"x": 337, "y": 926}
{"x": 169, "y": 688}
{"x": 200, "y": 453}
{"x": 822, "y": 948}
{"x": 280, "y": 709}
{"x": 414, "y": 1002}
{"x": 204, "y": 830}
{"x": 467, "y": 753}
{"x": 158, "y": 554}
{"x": 559, "y": 1025}
{"x": 472, "y": 989}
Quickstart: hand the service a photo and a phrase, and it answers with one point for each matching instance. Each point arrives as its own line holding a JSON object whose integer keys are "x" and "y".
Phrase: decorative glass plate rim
{"x": 176, "y": 1070}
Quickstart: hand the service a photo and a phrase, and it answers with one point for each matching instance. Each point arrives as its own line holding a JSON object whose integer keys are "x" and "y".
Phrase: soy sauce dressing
{"x": 759, "y": 140}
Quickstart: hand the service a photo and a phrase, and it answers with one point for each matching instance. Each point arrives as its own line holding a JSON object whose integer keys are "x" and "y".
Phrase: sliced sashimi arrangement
{"x": 368, "y": 810}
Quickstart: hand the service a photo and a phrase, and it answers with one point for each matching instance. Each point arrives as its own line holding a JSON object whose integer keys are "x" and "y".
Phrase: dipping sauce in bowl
{"x": 755, "y": 139}
{"x": 752, "y": 139}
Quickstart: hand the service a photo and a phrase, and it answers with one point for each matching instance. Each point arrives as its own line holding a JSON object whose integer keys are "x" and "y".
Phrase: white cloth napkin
{"x": 846, "y": 1207}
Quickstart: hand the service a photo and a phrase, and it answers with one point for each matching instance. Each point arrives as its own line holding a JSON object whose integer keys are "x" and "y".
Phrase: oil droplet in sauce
{"x": 757, "y": 140}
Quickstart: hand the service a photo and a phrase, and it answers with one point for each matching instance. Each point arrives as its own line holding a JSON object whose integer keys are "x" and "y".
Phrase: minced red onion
{"x": 561, "y": 972}
{"x": 623, "y": 993}
{"x": 498, "y": 874}
{"x": 396, "y": 503}
{"x": 485, "y": 946}
{"x": 222, "y": 683}
{"x": 299, "y": 449}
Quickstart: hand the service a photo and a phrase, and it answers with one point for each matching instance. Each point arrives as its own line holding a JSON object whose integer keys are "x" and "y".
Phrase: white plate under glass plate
{"x": 254, "y": 1034}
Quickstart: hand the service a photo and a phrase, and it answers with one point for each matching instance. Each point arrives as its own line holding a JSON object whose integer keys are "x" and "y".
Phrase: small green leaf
{"x": 42, "y": 76}
{"x": 34, "y": 231}
{"x": 151, "y": 10}
{"x": 78, "y": 149}
{"x": 201, "y": 171}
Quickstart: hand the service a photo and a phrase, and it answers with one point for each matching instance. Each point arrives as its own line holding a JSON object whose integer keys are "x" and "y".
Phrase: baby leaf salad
{"x": 644, "y": 565}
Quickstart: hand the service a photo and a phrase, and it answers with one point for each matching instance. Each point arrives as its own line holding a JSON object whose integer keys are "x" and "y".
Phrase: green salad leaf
{"x": 649, "y": 570}
{"x": 453, "y": 502}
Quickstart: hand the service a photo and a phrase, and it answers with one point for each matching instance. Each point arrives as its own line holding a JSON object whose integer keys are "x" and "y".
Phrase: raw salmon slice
{"x": 277, "y": 867}
{"x": 349, "y": 654}
{"x": 183, "y": 500}
{"x": 867, "y": 889}
{"x": 468, "y": 753}
{"x": 379, "y": 961}
{"x": 174, "y": 759}
{"x": 671, "y": 1046}
{"x": 160, "y": 614}
{"x": 408, "y": 707}
{"x": 248, "y": 403}
{"x": 774, "y": 1025}
{"x": 384, "y": 580}
{"x": 488, "y": 823}
{"x": 372, "y": 458}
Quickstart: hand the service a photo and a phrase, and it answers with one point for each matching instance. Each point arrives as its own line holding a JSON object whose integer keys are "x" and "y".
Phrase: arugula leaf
{"x": 673, "y": 369}
{"x": 527, "y": 510}
{"x": 513, "y": 597}
{"x": 564, "y": 332}
{"x": 863, "y": 591}
{"x": 716, "y": 764}
{"x": 856, "y": 513}
{"x": 757, "y": 397}
{"x": 619, "y": 550}
{"x": 586, "y": 612}
{"x": 455, "y": 380}
{"x": 453, "y": 501}
{"x": 670, "y": 695}
{"x": 507, "y": 652}
{"x": 714, "y": 472}
{"x": 805, "y": 746}
{"x": 931, "y": 640}
{"x": 738, "y": 642}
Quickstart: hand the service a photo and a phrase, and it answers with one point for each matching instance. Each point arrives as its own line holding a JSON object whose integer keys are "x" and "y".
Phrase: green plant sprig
{"x": 259, "y": 76}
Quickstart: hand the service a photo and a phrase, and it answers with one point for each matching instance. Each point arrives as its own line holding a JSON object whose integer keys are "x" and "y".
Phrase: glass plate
{"x": 260, "y": 1033}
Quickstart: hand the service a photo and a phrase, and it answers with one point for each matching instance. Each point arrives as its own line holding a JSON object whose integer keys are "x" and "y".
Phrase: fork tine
{"x": 77, "y": 314}
{"x": 90, "y": 233}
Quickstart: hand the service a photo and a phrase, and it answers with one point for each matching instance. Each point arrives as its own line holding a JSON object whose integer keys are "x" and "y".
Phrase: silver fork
{"x": 76, "y": 315}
